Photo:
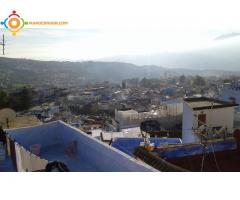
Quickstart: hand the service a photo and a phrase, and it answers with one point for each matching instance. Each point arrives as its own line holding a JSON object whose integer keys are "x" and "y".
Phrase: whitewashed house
{"x": 203, "y": 116}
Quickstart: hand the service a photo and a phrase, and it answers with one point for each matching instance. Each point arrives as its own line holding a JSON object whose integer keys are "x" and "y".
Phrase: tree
{"x": 182, "y": 79}
{"x": 199, "y": 81}
{"x": 20, "y": 100}
{"x": 144, "y": 82}
{"x": 4, "y": 99}
{"x": 25, "y": 98}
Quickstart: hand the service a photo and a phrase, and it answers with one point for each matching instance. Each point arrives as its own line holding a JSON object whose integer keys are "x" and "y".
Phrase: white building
{"x": 168, "y": 114}
{"x": 205, "y": 115}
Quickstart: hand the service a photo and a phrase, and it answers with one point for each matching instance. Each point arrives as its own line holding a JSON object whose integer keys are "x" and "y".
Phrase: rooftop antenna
{"x": 3, "y": 44}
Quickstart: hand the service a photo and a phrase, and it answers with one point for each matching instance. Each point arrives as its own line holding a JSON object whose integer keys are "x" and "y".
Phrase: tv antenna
{"x": 3, "y": 44}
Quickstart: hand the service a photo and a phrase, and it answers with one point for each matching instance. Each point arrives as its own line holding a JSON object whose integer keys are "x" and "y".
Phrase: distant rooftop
{"x": 25, "y": 121}
{"x": 22, "y": 121}
{"x": 128, "y": 112}
{"x": 202, "y": 103}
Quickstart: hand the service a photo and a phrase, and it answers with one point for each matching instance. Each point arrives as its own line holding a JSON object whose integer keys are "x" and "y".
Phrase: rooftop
{"x": 128, "y": 112}
{"x": 90, "y": 154}
{"x": 22, "y": 121}
{"x": 218, "y": 156}
{"x": 203, "y": 103}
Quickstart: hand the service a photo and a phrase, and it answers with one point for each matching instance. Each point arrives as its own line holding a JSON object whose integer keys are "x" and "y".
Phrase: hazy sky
{"x": 105, "y": 28}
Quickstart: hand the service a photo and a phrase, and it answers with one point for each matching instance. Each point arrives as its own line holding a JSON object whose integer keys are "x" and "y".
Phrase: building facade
{"x": 205, "y": 117}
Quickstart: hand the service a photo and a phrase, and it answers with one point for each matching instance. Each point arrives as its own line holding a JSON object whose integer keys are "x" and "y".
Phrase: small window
{"x": 201, "y": 119}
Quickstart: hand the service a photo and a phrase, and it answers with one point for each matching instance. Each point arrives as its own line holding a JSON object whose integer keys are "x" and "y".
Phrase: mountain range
{"x": 38, "y": 73}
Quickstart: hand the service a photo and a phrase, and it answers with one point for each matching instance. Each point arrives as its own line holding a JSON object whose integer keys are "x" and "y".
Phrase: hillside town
{"x": 159, "y": 114}
{"x": 122, "y": 99}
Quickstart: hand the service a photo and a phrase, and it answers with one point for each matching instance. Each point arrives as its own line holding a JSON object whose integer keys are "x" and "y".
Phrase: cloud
{"x": 227, "y": 36}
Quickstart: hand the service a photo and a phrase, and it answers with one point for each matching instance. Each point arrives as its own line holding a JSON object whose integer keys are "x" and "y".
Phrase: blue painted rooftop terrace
{"x": 128, "y": 145}
{"x": 91, "y": 155}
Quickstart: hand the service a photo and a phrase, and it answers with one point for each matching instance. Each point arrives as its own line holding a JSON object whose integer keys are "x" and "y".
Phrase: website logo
{"x": 14, "y": 23}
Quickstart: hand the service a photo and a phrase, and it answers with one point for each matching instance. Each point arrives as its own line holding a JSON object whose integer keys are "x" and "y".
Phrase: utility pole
{"x": 3, "y": 44}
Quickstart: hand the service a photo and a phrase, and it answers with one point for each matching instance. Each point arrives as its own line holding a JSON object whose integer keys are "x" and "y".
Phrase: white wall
{"x": 170, "y": 113}
{"x": 214, "y": 118}
{"x": 188, "y": 135}
{"x": 218, "y": 117}
{"x": 174, "y": 109}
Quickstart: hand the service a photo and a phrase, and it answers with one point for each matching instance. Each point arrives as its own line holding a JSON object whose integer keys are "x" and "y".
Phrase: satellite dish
{"x": 7, "y": 115}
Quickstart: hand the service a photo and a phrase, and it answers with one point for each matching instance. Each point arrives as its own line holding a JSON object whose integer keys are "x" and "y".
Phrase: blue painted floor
{"x": 74, "y": 163}
{"x": 91, "y": 155}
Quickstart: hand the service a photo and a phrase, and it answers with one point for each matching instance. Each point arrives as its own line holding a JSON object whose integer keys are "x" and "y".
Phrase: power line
{"x": 3, "y": 43}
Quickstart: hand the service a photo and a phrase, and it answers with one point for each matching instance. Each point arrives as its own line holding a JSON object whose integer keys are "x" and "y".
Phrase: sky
{"x": 106, "y": 28}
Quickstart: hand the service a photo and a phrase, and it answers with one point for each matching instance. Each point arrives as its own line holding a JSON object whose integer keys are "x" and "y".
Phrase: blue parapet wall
{"x": 91, "y": 155}
{"x": 197, "y": 149}
{"x": 128, "y": 145}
